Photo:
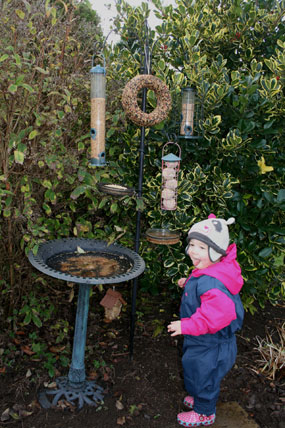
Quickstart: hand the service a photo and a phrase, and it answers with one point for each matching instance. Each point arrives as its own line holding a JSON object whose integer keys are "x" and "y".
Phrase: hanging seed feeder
{"x": 98, "y": 107}
{"x": 170, "y": 171}
{"x": 191, "y": 114}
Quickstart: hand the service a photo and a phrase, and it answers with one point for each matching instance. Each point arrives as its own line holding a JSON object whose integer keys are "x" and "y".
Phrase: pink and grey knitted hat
{"x": 215, "y": 233}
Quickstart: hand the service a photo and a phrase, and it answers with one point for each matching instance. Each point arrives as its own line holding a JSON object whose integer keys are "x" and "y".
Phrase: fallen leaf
{"x": 24, "y": 413}
{"x": 27, "y": 350}
{"x": 50, "y": 385}
{"x": 14, "y": 415}
{"x": 2, "y": 369}
{"x": 80, "y": 250}
{"x": 5, "y": 415}
{"x": 56, "y": 349}
{"x": 93, "y": 375}
{"x": 71, "y": 295}
{"x": 106, "y": 377}
{"x": 29, "y": 373}
{"x": 121, "y": 420}
{"x": 119, "y": 405}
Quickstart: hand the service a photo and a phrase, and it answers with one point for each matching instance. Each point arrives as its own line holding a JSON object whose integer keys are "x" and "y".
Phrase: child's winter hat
{"x": 215, "y": 233}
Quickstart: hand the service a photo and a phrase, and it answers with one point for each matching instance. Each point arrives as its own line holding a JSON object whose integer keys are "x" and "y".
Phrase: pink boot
{"x": 193, "y": 419}
{"x": 189, "y": 402}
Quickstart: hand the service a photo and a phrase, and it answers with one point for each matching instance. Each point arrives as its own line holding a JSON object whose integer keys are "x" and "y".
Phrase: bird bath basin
{"x": 86, "y": 262}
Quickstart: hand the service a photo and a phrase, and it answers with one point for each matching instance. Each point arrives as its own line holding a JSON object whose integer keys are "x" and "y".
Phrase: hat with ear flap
{"x": 215, "y": 233}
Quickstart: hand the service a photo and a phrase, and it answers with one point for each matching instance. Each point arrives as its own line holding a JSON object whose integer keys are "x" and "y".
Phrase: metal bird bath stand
{"x": 55, "y": 258}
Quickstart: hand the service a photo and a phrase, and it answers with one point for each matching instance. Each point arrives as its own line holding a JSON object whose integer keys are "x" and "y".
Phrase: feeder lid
{"x": 188, "y": 89}
{"x": 98, "y": 70}
{"x": 171, "y": 158}
{"x": 115, "y": 189}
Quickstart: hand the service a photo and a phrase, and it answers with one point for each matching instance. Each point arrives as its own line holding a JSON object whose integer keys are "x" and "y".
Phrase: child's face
{"x": 199, "y": 254}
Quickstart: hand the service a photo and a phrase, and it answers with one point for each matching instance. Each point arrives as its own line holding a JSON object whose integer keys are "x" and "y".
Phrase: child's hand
{"x": 181, "y": 282}
{"x": 175, "y": 328}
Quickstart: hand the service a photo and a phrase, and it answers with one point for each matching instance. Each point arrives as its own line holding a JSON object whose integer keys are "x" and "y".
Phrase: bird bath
{"x": 86, "y": 262}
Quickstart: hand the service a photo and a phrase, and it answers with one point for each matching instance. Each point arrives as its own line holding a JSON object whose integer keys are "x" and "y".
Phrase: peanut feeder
{"x": 170, "y": 171}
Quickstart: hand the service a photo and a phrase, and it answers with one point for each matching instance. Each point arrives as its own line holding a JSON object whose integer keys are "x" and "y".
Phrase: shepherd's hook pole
{"x": 145, "y": 70}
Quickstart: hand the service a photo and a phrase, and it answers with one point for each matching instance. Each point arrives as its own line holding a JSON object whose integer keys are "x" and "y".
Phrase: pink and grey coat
{"x": 211, "y": 312}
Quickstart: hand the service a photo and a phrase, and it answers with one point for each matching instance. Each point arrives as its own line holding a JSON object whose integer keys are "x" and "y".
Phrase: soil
{"x": 146, "y": 391}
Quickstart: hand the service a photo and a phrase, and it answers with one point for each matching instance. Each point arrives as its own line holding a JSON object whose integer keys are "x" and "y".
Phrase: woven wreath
{"x": 130, "y": 104}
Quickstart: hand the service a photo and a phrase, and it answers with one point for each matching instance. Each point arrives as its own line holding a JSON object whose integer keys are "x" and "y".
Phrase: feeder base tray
{"x": 115, "y": 189}
{"x": 162, "y": 236}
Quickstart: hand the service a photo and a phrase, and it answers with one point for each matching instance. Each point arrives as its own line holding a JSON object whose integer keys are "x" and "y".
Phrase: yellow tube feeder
{"x": 98, "y": 108}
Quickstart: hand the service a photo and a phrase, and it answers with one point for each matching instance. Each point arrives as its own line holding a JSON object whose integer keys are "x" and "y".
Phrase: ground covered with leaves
{"x": 144, "y": 392}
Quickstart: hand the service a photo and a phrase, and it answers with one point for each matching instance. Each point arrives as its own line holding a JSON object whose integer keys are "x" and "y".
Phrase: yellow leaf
{"x": 264, "y": 168}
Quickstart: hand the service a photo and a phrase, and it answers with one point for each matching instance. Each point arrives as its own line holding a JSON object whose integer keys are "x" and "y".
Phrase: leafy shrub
{"x": 236, "y": 63}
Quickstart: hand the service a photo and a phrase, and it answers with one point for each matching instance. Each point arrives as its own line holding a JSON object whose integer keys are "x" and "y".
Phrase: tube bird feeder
{"x": 190, "y": 114}
{"x": 98, "y": 107}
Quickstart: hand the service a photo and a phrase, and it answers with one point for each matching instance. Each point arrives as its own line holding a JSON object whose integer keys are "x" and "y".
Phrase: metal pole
{"x": 145, "y": 70}
{"x": 76, "y": 373}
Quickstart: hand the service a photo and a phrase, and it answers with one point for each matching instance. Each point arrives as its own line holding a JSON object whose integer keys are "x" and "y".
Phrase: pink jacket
{"x": 217, "y": 310}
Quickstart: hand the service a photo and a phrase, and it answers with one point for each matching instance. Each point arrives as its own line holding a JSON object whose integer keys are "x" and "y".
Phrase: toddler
{"x": 211, "y": 312}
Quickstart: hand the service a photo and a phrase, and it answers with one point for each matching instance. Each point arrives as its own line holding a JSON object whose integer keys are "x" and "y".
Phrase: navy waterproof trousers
{"x": 205, "y": 363}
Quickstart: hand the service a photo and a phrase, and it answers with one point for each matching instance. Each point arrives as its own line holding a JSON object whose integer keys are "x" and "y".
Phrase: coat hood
{"x": 227, "y": 271}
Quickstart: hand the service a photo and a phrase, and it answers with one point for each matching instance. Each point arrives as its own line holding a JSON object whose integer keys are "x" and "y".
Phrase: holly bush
{"x": 231, "y": 52}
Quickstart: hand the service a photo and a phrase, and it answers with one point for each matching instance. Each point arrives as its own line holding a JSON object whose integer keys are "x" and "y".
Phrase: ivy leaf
{"x": 33, "y": 134}
{"x": 28, "y": 87}
{"x": 20, "y": 13}
{"x": 3, "y": 57}
{"x": 36, "y": 319}
{"x": 77, "y": 192}
{"x": 13, "y": 88}
{"x": 41, "y": 70}
{"x": 19, "y": 157}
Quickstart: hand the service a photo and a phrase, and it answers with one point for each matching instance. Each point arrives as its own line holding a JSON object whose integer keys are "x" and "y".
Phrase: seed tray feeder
{"x": 162, "y": 236}
{"x": 87, "y": 262}
{"x": 115, "y": 189}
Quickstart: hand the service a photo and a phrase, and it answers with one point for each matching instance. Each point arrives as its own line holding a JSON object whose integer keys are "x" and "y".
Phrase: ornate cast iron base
{"x": 87, "y": 392}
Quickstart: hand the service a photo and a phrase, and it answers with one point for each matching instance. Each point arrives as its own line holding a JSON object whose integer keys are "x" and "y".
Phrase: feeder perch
{"x": 98, "y": 106}
{"x": 190, "y": 114}
{"x": 170, "y": 171}
{"x": 112, "y": 302}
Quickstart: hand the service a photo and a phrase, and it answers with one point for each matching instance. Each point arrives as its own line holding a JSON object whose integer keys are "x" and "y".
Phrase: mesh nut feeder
{"x": 170, "y": 171}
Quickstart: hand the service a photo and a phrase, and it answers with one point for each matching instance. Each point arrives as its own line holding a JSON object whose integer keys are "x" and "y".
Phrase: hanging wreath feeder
{"x": 130, "y": 104}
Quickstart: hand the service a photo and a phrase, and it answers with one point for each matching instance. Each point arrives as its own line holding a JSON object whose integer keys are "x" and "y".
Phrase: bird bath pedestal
{"x": 86, "y": 262}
